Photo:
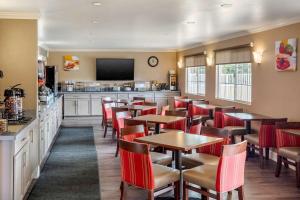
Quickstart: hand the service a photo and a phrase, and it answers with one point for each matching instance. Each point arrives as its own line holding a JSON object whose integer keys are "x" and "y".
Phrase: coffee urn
{"x": 13, "y": 103}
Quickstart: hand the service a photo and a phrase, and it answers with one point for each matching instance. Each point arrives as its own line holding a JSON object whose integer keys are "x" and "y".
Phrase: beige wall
{"x": 18, "y": 57}
{"x": 274, "y": 93}
{"x": 87, "y": 70}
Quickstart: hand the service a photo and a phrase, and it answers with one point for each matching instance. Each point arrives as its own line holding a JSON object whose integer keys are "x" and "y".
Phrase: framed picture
{"x": 286, "y": 57}
{"x": 71, "y": 63}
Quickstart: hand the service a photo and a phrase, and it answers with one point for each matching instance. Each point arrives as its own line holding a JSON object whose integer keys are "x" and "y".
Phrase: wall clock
{"x": 153, "y": 61}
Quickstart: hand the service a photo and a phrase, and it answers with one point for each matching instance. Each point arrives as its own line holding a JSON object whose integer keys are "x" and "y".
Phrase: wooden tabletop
{"x": 189, "y": 100}
{"x": 206, "y": 106}
{"x": 159, "y": 119}
{"x": 293, "y": 131}
{"x": 248, "y": 116}
{"x": 138, "y": 107}
{"x": 177, "y": 140}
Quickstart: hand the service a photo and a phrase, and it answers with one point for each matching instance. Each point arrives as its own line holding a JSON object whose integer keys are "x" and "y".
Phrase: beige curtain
{"x": 240, "y": 55}
{"x": 196, "y": 60}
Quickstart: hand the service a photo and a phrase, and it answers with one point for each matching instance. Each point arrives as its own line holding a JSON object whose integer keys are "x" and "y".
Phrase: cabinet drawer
{"x": 77, "y": 96}
{"x": 21, "y": 140}
{"x": 166, "y": 94}
{"x": 100, "y": 96}
{"x": 123, "y": 96}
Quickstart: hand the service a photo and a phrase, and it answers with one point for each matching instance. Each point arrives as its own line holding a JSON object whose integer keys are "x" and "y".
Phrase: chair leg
{"x": 248, "y": 151}
{"x": 113, "y": 135}
{"x": 185, "y": 191}
{"x": 298, "y": 173}
{"x": 218, "y": 196}
{"x": 267, "y": 153}
{"x": 203, "y": 197}
{"x": 285, "y": 163}
{"x": 278, "y": 166}
{"x": 150, "y": 195}
{"x": 261, "y": 157}
{"x": 117, "y": 149}
{"x": 232, "y": 139}
{"x": 176, "y": 190}
{"x": 123, "y": 188}
{"x": 241, "y": 193}
{"x": 105, "y": 130}
{"x": 229, "y": 195}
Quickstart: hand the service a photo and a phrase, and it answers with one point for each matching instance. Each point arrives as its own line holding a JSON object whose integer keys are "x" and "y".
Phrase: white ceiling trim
{"x": 19, "y": 15}
{"x": 113, "y": 50}
{"x": 253, "y": 31}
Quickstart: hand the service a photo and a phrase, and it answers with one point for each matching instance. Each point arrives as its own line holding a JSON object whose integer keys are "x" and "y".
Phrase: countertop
{"x": 43, "y": 108}
{"x": 85, "y": 92}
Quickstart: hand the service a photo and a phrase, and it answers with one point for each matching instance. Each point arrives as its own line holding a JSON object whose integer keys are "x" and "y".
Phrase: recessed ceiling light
{"x": 190, "y": 22}
{"x": 96, "y": 4}
{"x": 95, "y": 21}
{"x": 226, "y": 5}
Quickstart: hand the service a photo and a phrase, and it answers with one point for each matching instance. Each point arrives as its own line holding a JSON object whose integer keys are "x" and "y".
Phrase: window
{"x": 195, "y": 74}
{"x": 195, "y": 80}
{"x": 234, "y": 75}
{"x": 234, "y": 82}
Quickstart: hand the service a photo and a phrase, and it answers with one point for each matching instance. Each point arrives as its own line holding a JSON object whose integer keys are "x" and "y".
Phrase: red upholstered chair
{"x": 208, "y": 154}
{"x": 195, "y": 127}
{"x": 130, "y": 133}
{"x": 137, "y": 170}
{"x": 105, "y": 100}
{"x": 179, "y": 125}
{"x": 234, "y": 126}
{"x": 217, "y": 122}
{"x": 179, "y": 105}
{"x": 152, "y": 111}
{"x": 288, "y": 148}
{"x": 227, "y": 176}
{"x": 114, "y": 121}
{"x": 264, "y": 139}
{"x": 138, "y": 100}
{"x": 120, "y": 117}
{"x": 164, "y": 109}
{"x": 133, "y": 122}
{"x": 107, "y": 116}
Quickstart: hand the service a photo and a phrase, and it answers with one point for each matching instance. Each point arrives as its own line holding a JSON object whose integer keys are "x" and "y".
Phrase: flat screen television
{"x": 111, "y": 69}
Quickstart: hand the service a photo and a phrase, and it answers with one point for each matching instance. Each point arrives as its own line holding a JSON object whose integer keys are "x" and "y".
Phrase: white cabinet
{"x": 70, "y": 107}
{"x": 83, "y": 107}
{"x": 34, "y": 151}
{"x": 96, "y": 107}
{"x": 77, "y": 105}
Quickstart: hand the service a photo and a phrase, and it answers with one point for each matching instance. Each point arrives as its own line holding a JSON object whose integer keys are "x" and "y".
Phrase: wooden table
{"x": 136, "y": 108}
{"x": 179, "y": 142}
{"x": 292, "y": 131}
{"x": 209, "y": 107}
{"x": 248, "y": 117}
{"x": 159, "y": 119}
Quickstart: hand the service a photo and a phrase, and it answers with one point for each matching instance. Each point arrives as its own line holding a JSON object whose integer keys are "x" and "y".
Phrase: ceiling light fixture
{"x": 226, "y": 5}
{"x": 95, "y": 21}
{"x": 96, "y": 4}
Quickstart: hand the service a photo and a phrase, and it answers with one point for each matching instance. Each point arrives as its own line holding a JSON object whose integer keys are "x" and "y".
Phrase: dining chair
{"x": 114, "y": 121}
{"x": 178, "y": 125}
{"x": 226, "y": 176}
{"x": 105, "y": 100}
{"x": 138, "y": 170}
{"x": 179, "y": 105}
{"x": 208, "y": 154}
{"x": 164, "y": 109}
{"x": 129, "y": 133}
{"x": 217, "y": 122}
{"x": 152, "y": 111}
{"x": 107, "y": 116}
{"x": 140, "y": 100}
{"x": 120, "y": 117}
{"x": 195, "y": 127}
{"x": 195, "y": 112}
{"x": 234, "y": 126}
{"x": 288, "y": 148}
{"x": 134, "y": 122}
{"x": 264, "y": 139}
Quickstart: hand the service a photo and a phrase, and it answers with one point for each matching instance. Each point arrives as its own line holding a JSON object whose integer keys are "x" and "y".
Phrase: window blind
{"x": 230, "y": 56}
{"x": 196, "y": 60}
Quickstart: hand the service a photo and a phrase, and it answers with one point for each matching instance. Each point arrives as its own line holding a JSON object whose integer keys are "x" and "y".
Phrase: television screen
{"x": 114, "y": 69}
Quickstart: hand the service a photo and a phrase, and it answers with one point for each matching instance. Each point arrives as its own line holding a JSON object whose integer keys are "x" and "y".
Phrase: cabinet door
{"x": 18, "y": 168}
{"x": 42, "y": 141}
{"x": 34, "y": 150}
{"x": 83, "y": 107}
{"x": 70, "y": 107}
{"x": 26, "y": 166}
{"x": 96, "y": 107}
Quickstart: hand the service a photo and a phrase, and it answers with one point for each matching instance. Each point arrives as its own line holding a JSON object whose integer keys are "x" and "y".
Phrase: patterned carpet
{"x": 71, "y": 171}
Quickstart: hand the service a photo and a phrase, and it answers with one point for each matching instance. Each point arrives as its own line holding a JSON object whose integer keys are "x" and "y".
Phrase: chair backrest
{"x": 218, "y": 116}
{"x": 180, "y": 104}
{"x": 152, "y": 111}
{"x": 114, "y": 111}
{"x": 195, "y": 126}
{"x": 284, "y": 139}
{"x": 136, "y": 165}
{"x": 164, "y": 109}
{"x": 107, "y": 110}
{"x": 120, "y": 117}
{"x": 129, "y": 133}
{"x": 194, "y": 110}
{"x": 216, "y": 148}
{"x": 231, "y": 121}
{"x": 106, "y": 99}
{"x": 133, "y": 122}
{"x": 178, "y": 125}
{"x": 231, "y": 168}
{"x": 139, "y": 100}
{"x": 267, "y": 132}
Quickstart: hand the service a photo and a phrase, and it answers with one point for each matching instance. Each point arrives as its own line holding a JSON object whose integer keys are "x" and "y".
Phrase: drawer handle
{"x": 23, "y": 139}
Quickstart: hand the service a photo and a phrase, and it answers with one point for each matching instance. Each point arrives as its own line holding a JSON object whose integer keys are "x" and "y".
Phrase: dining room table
{"x": 158, "y": 120}
{"x": 247, "y": 118}
{"x": 179, "y": 142}
{"x": 136, "y": 108}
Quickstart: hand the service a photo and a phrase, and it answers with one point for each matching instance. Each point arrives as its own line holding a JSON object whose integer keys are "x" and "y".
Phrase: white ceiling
{"x": 149, "y": 24}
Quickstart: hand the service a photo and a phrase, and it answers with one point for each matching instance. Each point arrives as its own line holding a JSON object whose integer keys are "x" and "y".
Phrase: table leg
{"x": 178, "y": 165}
{"x": 135, "y": 113}
{"x": 248, "y": 129}
{"x": 157, "y": 128}
{"x": 211, "y": 113}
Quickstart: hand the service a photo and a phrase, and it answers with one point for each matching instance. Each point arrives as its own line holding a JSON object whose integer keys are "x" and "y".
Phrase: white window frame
{"x": 201, "y": 93}
{"x": 235, "y": 85}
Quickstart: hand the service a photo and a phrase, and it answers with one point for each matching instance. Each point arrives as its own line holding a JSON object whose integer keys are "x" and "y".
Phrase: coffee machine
{"x": 172, "y": 80}
{"x": 13, "y": 103}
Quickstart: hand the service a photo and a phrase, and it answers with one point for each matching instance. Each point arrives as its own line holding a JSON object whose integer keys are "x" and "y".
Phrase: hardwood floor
{"x": 260, "y": 184}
